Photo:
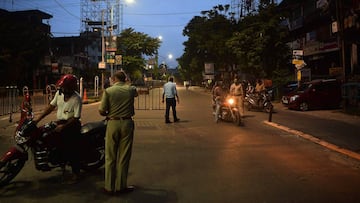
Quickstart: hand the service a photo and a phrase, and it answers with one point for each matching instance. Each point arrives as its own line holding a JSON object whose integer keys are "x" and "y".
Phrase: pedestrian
{"x": 117, "y": 104}
{"x": 170, "y": 93}
{"x": 259, "y": 89}
{"x": 69, "y": 106}
{"x": 236, "y": 90}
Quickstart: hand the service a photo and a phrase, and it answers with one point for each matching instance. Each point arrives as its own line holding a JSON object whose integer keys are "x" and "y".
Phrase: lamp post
{"x": 156, "y": 68}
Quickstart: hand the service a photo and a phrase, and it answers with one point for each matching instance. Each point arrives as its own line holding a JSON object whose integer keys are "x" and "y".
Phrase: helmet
{"x": 68, "y": 82}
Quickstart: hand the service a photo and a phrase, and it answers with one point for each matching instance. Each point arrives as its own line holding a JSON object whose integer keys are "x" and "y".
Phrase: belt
{"x": 119, "y": 118}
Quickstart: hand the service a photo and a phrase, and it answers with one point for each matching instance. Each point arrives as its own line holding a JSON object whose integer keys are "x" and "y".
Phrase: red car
{"x": 317, "y": 94}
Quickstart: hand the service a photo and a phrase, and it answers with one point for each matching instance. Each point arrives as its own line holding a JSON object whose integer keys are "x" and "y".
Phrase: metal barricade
{"x": 9, "y": 100}
{"x": 149, "y": 99}
{"x": 50, "y": 93}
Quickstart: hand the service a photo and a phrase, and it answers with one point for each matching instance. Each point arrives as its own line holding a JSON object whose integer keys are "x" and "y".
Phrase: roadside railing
{"x": 12, "y": 98}
{"x": 9, "y": 100}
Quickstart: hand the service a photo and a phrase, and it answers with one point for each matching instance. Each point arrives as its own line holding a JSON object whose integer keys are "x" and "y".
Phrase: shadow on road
{"x": 87, "y": 190}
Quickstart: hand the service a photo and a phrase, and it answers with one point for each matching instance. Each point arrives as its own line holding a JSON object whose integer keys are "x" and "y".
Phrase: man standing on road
{"x": 170, "y": 93}
{"x": 117, "y": 104}
{"x": 69, "y": 105}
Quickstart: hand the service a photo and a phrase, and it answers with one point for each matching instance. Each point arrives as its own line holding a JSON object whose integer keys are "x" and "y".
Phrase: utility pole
{"x": 102, "y": 49}
{"x": 341, "y": 42}
{"x": 111, "y": 39}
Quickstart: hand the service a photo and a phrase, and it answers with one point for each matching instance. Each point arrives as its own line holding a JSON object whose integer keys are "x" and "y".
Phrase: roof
{"x": 38, "y": 13}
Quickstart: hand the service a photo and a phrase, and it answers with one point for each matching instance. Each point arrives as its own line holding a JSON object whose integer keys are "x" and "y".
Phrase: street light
{"x": 130, "y": 1}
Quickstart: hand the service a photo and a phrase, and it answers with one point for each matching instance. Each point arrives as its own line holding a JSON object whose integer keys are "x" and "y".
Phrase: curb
{"x": 316, "y": 140}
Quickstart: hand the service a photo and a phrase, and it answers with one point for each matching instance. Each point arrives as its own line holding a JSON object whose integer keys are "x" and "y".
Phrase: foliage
{"x": 133, "y": 46}
{"x": 254, "y": 45}
{"x": 259, "y": 43}
{"x": 207, "y": 37}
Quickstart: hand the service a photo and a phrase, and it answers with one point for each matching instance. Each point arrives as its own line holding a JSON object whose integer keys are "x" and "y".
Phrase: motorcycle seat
{"x": 88, "y": 127}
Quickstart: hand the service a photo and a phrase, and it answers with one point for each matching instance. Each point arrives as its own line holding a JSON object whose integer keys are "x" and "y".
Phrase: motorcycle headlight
{"x": 294, "y": 98}
{"x": 231, "y": 101}
{"x": 19, "y": 138}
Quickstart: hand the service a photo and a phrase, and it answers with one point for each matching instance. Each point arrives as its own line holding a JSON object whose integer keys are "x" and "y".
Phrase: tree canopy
{"x": 133, "y": 46}
{"x": 253, "y": 45}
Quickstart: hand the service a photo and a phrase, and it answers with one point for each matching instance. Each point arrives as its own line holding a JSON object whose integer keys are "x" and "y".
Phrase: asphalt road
{"x": 197, "y": 160}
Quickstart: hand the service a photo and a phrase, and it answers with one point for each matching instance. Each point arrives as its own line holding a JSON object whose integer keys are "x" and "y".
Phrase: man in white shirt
{"x": 69, "y": 105}
{"x": 170, "y": 93}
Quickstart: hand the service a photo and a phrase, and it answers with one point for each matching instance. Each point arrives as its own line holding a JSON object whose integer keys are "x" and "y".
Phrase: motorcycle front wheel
{"x": 237, "y": 118}
{"x": 9, "y": 169}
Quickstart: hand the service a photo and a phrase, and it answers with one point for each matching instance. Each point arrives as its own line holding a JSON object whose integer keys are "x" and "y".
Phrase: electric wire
{"x": 66, "y": 10}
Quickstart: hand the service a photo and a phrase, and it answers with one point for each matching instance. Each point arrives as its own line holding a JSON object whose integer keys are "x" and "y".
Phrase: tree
{"x": 133, "y": 46}
{"x": 259, "y": 43}
{"x": 207, "y": 36}
{"x": 255, "y": 45}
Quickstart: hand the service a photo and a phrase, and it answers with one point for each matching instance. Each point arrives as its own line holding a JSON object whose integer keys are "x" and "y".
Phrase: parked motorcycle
{"x": 43, "y": 143}
{"x": 229, "y": 111}
{"x": 259, "y": 101}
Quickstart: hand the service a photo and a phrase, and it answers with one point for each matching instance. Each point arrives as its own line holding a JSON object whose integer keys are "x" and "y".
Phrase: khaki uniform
{"x": 118, "y": 100}
{"x": 237, "y": 91}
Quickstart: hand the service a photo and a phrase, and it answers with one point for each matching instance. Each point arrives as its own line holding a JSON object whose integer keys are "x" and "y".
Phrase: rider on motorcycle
{"x": 218, "y": 98}
{"x": 69, "y": 105}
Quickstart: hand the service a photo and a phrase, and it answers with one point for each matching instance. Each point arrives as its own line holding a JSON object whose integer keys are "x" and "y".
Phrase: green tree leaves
{"x": 133, "y": 46}
{"x": 254, "y": 45}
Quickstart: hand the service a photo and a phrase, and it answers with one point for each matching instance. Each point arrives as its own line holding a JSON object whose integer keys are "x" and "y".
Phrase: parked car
{"x": 317, "y": 94}
{"x": 286, "y": 89}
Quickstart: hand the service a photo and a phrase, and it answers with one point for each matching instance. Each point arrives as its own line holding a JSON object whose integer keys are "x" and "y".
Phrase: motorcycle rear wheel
{"x": 95, "y": 164}
{"x": 9, "y": 169}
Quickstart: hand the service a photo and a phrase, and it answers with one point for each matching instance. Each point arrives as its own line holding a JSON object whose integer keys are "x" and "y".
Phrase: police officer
{"x": 236, "y": 90}
{"x": 117, "y": 104}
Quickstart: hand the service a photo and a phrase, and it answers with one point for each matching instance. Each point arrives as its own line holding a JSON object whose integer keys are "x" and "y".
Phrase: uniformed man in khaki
{"x": 236, "y": 90}
{"x": 117, "y": 104}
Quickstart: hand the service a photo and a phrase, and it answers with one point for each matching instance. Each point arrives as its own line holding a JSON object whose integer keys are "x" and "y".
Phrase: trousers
{"x": 170, "y": 102}
{"x": 118, "y": 149}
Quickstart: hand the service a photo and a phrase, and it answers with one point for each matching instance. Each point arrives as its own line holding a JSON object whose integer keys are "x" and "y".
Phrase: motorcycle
{"x": 229, "y": 111}
{"x": 259, "y": 101}
{"x": 43, "y": 143}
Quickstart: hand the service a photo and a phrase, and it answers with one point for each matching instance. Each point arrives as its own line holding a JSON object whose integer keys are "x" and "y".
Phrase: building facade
{"x": 326, "y": 32}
